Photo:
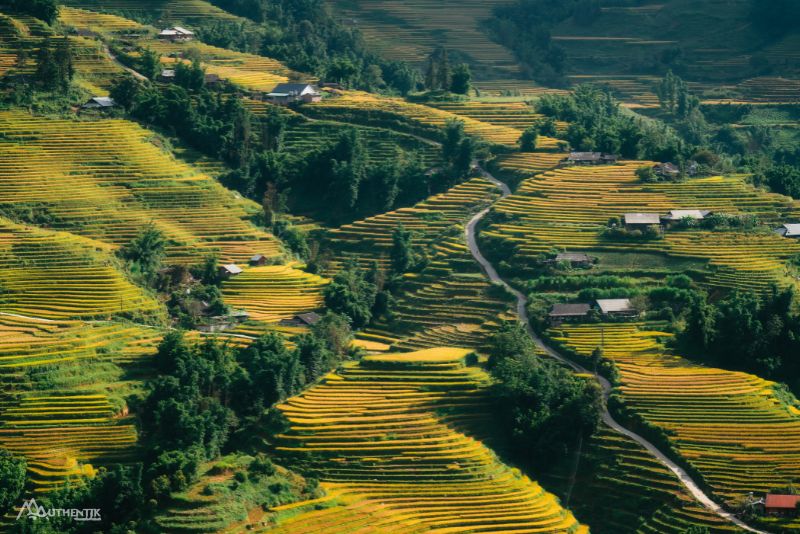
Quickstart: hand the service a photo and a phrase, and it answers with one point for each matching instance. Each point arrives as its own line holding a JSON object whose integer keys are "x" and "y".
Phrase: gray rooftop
{"x": 615, "y": 305}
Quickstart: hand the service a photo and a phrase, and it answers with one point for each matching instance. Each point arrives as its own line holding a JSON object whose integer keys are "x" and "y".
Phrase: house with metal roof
{"x": 789, "y": 230}
{"x": 617, "y": 308}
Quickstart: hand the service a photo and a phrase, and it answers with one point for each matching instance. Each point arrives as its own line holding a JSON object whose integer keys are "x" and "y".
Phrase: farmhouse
{"x": 301, "y": 319}
{"x": 575, "y": 259}
{"x": 288, "y": 93}
{"x": 789, "y": 230}
{"x": 590, "y": 158}
{"x": 678, "y": 215}
{"x": 617, "y": 308}
{"x": 99, "y": 102}
{"x": 667, "y": 170}
{"x": 176, "y": 33}
{"x": 167, "y": 75}
{"x": 568, "y": 312}
{"x": 634, "y": 221}
{"x": 781, "y": 505}
{"x": 229, "y": 270}
{"x": 258, "y": 259}
{"x": 211, "y": 79}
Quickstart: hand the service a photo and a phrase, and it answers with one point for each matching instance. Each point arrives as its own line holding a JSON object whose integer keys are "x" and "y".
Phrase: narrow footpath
{"x": 522, "y": 315}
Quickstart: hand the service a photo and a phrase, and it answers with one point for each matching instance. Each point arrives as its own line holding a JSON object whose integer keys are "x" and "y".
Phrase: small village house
{"x": 590, "y": 158}
{"x": 289, "y": 93}
{"x": 575, "y": 259}
{"x": 302, "y": 319}
{"x": 167, "y": 76}
{"x": 640, "y": 221}
{"x": 667, "y": 170}
{"x": 789, "y": 230}
{"x": 99, "y": 102}
{"x": 675, "y": 216}
{"x": 561, "y": 313}
{"x": 258, "y": 260}
{"x": 229, "y": 270}
{"x": 781, "y": 505}
{"x": 176, "y": 33}
{"x": 617, "y": 308}
{"x": 211, "y": 79}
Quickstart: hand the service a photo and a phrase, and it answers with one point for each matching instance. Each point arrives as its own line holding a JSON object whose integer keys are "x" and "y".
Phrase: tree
{"x": 150, "y": 64}
{"x": 191, "y": 77}
{"x": 527, "y": 141}
{"x": 272, "y": 373}
{"x": 460, "y": 79}
{"x": 402, "y": 253}
{"x": 508, "y": 341}
{"x": 443, "y": 72}
{"x": 46, "y": 10}
{"x": 12, "y": 473}
{"x": 64, "y": 66}
{"x": 350, "y": 294}
{"x": 47, "y": 70}
{"x": 125, "y": 91}
{"x": 146, "y": 251}
{"x": 273, "y": 129}
{"x": 334, "y": 330}
{"x": 543, "y": 407}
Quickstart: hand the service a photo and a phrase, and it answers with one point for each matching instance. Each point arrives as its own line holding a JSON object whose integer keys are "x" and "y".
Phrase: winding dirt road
{"x": 522, "y": 314}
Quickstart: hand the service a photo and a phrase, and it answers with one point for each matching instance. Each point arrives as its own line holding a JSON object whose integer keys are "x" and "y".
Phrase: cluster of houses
{"x": 610, "y": 308}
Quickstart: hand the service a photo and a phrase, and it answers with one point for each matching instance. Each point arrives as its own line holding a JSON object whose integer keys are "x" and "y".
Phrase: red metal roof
{"x": 782, "y": 501}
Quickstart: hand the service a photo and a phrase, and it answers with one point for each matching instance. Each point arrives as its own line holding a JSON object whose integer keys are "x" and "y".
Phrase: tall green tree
{"x": 527, "y": 141}
{"x": 64, "y": 63}
{"x": 47, "y": 70}
{"x": 146, "y": 251}
{"x": 461, "y": 78}
{"x": 12, "y": 475}
{"x": 402, "y": 253}
{"x": 351, "y": 295}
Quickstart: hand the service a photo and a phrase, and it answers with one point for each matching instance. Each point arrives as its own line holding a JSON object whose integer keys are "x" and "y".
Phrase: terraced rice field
{"x": 274, "y": 292}
{"x": 58, "y": 275}
{"x": 409, "y": 31}
{"x": 429, "y": 219}
{"x": 256, "y": 73}
{"x": 95, "y": 72}
{"x": 569, "y": 207}
{"x": 729, "y": 425}
{"x": 624, "y": 489}
{"x": 517, "y": 115}
{"x": 382, "y": 144}
{"x": 369, "y": 109}
{"x": 106, "y": 179}
{"x": 174, "y": 10}
{"x": 448, "y": 303}
{"x": 101, "y": 23}
{"x": 390, "y": 462}
{"x": 73, "y": 425}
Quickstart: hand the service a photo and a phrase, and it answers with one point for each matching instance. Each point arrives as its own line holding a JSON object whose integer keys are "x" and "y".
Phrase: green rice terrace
{"x": 351, "y": 266}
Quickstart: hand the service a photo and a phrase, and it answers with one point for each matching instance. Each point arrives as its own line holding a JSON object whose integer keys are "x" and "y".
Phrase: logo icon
{"x": 37, "y": 511}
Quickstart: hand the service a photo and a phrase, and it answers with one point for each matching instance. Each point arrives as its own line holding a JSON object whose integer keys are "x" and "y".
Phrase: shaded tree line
{"x": 597, "y": 123}
{"x": 524, "y": 27}
{"x": 304, "y": 35}
{"x": 748, "y": 331}
{"x": 543, "y": 408}
{"x": 46, "y": 10}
